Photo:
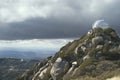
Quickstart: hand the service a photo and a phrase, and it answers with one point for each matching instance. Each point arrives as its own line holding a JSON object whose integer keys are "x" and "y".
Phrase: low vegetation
{"x": 10, "y": 67}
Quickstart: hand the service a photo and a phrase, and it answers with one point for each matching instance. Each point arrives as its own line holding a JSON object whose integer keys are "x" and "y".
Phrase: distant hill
{"x": 28, "y": 55}
{"x": 95, "y": 56}
{"x": 11, "y": 67}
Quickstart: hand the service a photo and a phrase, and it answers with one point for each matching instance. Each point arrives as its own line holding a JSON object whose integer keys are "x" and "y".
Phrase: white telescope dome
{"x": 100, "y": 23}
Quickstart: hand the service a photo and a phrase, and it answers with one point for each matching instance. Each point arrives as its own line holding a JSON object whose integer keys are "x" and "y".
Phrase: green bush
{"x": 105, "y": 48}
{"x": 98, "y": 30}
{"x": 86, "y": 63}
{"x": 108, "y": 30}
{"x": 93, "y": 52}
{"x": 113, "y": 56}
{"x": 81, "y": 69}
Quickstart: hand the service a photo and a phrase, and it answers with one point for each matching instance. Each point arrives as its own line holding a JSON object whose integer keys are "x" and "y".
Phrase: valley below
{"x": 10, "y": 68}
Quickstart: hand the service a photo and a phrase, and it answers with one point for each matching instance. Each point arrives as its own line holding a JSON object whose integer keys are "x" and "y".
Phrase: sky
{"x": 34, "y": 45}
{"x": 38, "y": 19}
{"x": 31, "y": 49}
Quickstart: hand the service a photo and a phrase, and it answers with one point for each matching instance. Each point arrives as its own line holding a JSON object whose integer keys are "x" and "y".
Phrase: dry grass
{"x": 114, "y": 78}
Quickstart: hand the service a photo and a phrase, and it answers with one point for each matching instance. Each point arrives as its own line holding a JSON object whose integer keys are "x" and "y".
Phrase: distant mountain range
{"x": 25, "y": 54}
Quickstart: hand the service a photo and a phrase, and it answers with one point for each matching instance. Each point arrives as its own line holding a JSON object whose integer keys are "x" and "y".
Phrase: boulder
{"x": 83, "y": 48}
{"x": 59, "y": 68}
{"x": 99, "y": 47}
{"x": 67, "y": 76}
{"x": 86, "y": 57}
{"x": 44, "y": 73}
{"x": 98, "y": 55}
{"x": 106, "y": 37}
{"x": 76, "y": 49}
{"x": 97, "y": 40}
{"x": 39, "y": 72}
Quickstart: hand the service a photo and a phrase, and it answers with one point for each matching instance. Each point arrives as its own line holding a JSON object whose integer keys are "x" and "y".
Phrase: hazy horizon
{"x": 34, "y": 48}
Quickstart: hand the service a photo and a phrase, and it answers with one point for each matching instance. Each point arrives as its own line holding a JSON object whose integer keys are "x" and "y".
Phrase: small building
{"x": 22, "y": 60}
{"x": 89, "y": 32}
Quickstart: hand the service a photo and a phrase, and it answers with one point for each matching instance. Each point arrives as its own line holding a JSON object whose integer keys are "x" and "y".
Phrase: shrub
{"x": 80, "y": 52}
{"x": 86, "y": 63}
{"x": 113, "y": 56}
{"x": 105, "y": 48}
{"x": 81, "y": 69}
{"x": 93, "y": 51}
{"x": 98, "y": 30}
{"x": 108, "y": 30}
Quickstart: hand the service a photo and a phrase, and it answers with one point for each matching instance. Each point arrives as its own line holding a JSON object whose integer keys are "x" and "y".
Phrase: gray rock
{"x": 107, "y": 38}
{"x": 99, "y": 47}
{"x": 114, "y": 49}
{"x": 83, "y": 48}
{"x": 59, "y": 68}
{"x": 97, "y": 40}
{"x": 86, "y": 57}
{"x": 67, "y": 76}
{"x": 42, "y": 69}
{"x": 119, "y": 48}
{"x": 42, "y": 73}
{"x": 98, "y": 55}
{"x": 76, "y": 49}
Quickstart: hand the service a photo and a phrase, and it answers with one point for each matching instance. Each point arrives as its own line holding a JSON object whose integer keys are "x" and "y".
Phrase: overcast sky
{"x": 38, "y": 19}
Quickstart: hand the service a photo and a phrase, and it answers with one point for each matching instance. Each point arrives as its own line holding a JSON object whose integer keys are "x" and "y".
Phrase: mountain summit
{"x": 95, "y": 56}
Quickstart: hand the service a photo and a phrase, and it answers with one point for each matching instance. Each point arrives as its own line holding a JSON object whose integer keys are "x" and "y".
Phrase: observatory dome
{"x": 100, "y": 23}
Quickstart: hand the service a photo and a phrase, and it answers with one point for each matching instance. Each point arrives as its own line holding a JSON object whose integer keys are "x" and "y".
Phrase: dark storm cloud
{"x": 41, "y": 28}
{"x": 28, "y": 19}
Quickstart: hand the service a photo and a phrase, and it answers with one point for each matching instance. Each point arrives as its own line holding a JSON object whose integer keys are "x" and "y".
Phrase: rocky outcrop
{"x": 99, "y": 47}
{"x": 59, "y": 68}
{"x": 88, "y": 58}
{"x": 42, "y": 72}
{"x": 97, "y": 40}
{"x": 67, "y": 76}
